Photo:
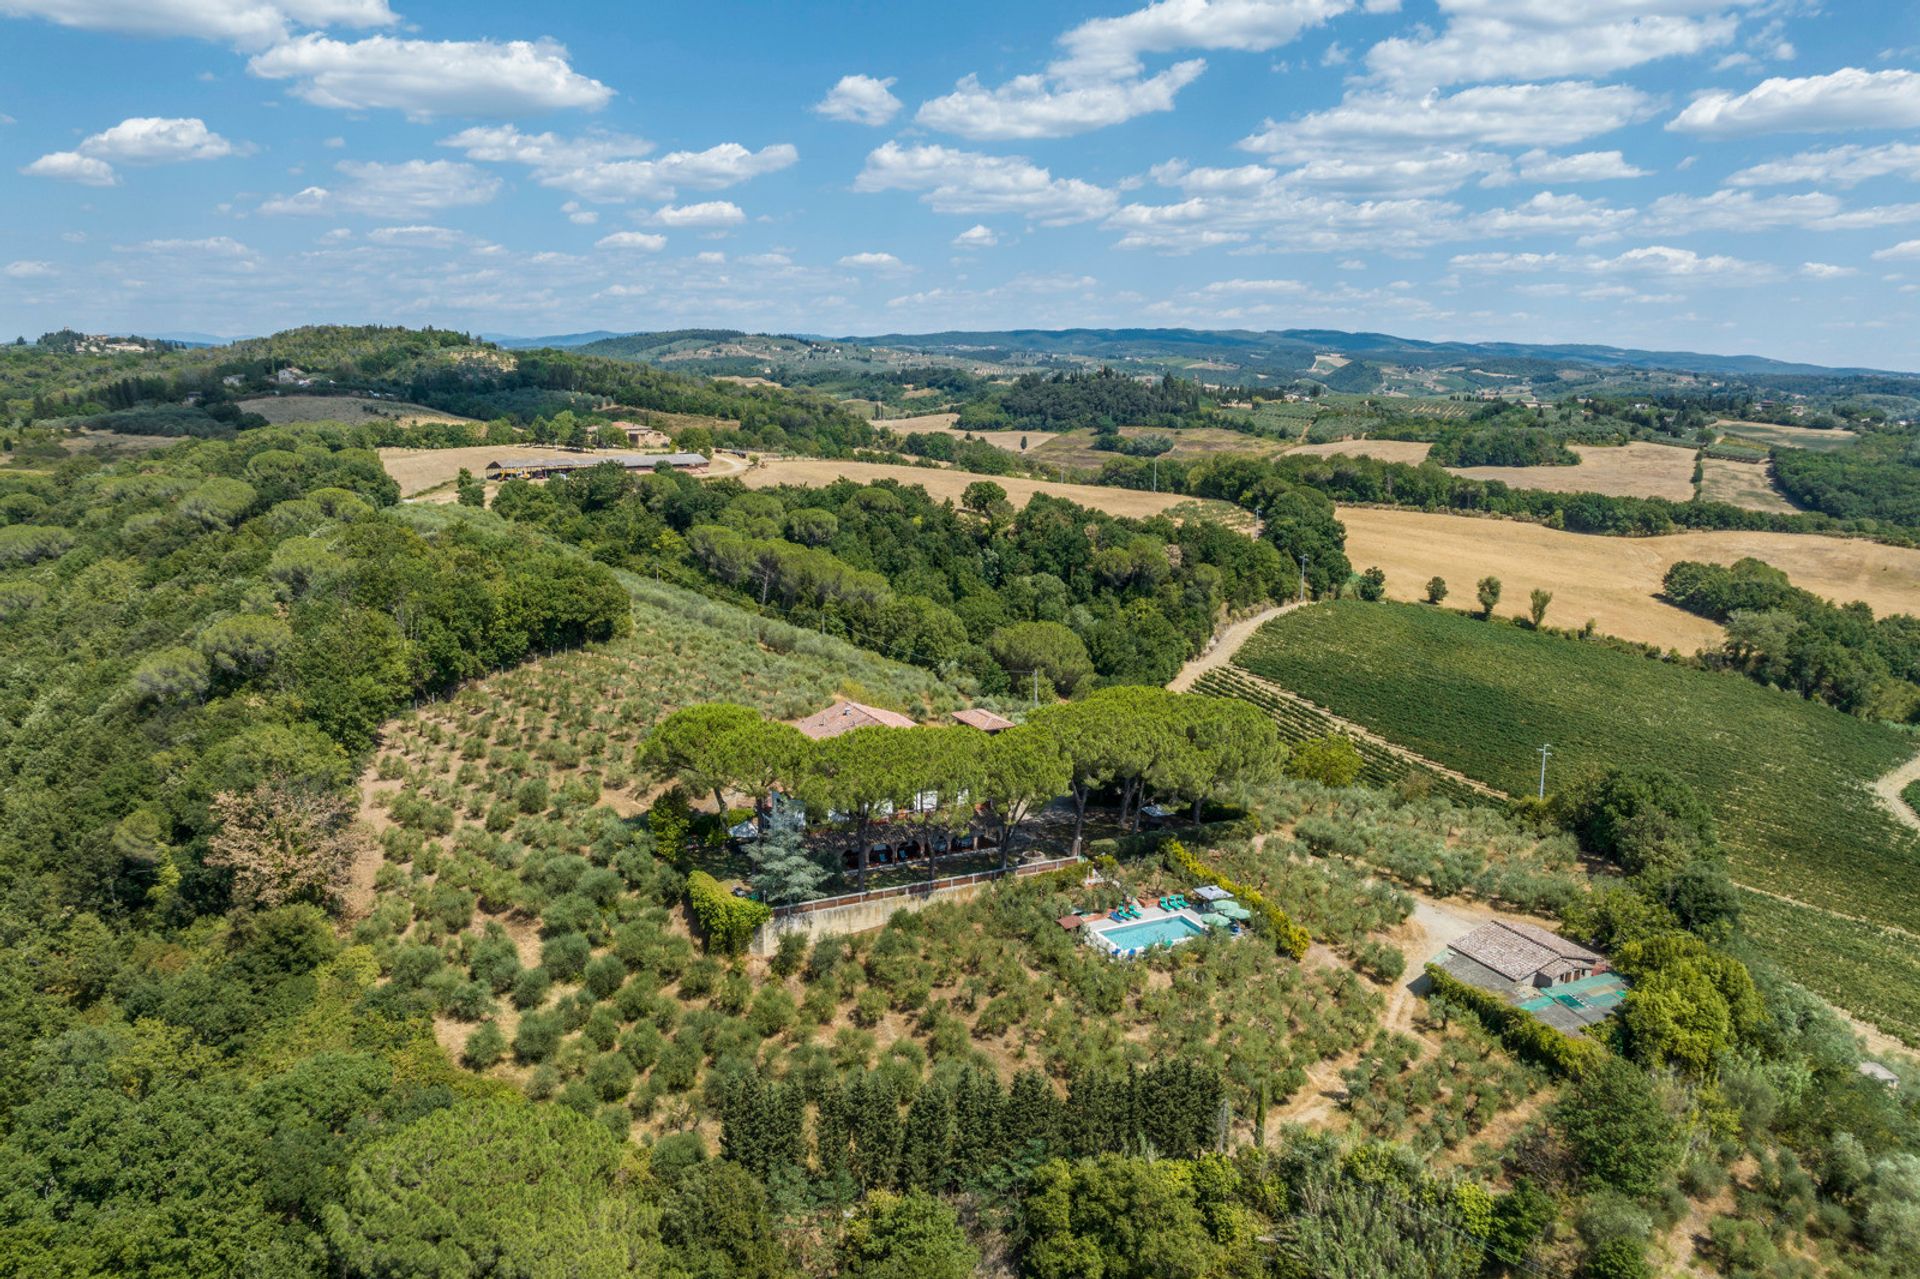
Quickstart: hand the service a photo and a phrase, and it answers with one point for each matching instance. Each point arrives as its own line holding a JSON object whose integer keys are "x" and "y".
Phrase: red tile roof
{"x": 984, "y": 720}
{"x": 844, "y": 716}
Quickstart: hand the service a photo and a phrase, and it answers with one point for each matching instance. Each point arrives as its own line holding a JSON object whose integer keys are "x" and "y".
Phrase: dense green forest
{"x": 1781, "y": 635}
{"x": 1083, "y": 597}
{"x": 1877, "y": 479}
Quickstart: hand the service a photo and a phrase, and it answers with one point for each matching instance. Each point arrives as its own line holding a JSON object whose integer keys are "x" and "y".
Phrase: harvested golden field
{"x": 428, "y": 474}
{"x": 1748, "y": 484}
{"x": 418, "y": 470}
{"x": 927, "y": 423}
{"x": 1412, "y": 452}
{"x": 1799, "y": 437}
{"x": 1627, "y": 470}
{"x": 351, "y": 409}
{"x": 944, "y": 483}
{"x": 1613, "y": 580}
{"x": 1075, "y": 448}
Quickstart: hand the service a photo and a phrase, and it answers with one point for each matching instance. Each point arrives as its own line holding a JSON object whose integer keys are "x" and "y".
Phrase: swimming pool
{"x": 1168, "y": 931}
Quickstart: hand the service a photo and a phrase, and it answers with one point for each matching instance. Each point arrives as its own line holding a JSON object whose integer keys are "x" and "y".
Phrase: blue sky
{"x": 1702, "y": 174}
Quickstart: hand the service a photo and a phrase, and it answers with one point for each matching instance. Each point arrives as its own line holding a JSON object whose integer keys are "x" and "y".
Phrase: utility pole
{"x": 1303, "y": 577}
{"x": 1545, "y": 751}
{"x": 1036, "y": 687}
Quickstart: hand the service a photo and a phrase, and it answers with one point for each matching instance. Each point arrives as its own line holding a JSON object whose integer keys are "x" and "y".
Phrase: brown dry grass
{"x": 1075, "y": 448}
{"x": 1747, "y": 484}
{"x": 417, "y": 470}
{"x": 1412, "y": 452}
{"x": 1613, "y": 580}
{"x": 928, "y": 422}
{"x": 351, "y": 409}
{"x": 1802, "y": 437}
{"x": 943, "y": 483}
{"x": 1639, "y": 469}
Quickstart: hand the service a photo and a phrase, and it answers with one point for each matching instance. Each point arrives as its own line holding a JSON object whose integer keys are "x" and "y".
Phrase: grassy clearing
{"x": 1074, "y": 449}
{"x": 1747, "y": 484}
{"x": 1639, "y": 469}
{"x": 351, "y": 409}
{"x": 1768, "y": 434}
{"x": 1787, "y": 778}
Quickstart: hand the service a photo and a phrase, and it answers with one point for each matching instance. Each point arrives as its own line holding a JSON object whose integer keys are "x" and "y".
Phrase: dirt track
{"x": 1224, "y": 645}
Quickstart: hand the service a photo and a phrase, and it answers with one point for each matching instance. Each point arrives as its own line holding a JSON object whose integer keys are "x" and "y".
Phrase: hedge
{"x": 1287, "y": 935}
{"x": 726, "y": 922}
{"x": 1526, "y": 1036}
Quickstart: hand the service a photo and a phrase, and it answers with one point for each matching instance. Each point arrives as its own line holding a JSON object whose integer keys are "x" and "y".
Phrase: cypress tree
{"x": 926, "y": 1153}
{"x": 785, "y": 1115}
{"x": 978, "y": 1111}
{"x": 830, "y": 1133}
{"x": 1032, "y": 1117}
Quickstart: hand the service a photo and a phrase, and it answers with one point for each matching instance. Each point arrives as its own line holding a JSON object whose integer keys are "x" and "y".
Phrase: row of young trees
{"x": 970, "y": 1132}
{"x": 1135, "y": 741}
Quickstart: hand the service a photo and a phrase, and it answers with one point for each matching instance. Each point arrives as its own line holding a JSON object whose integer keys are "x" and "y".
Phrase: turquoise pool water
{"x": 1170, "y": 931}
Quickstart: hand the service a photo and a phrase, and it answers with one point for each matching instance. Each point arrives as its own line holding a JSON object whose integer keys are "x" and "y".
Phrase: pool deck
{"x": 1099, "y": 926}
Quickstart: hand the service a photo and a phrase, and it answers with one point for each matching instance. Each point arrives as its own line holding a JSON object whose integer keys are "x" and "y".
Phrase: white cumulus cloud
{"x": 1539, "y": 115}
{"x": 71, "y": 166}
{"x": 1535, "y": 40}
{"x": 708, "y": 213}
{"x": 392, "y": 192}
{"x": 1905, "y": 251}
{"x": 957, "y": 181}
{"x": 608, "y": 168}
{"x": 859, "y": 99}
{"x": 642, "y": 240}
{"x": 977, "y": 236}
{"x": 30, "y": 269}
{"x": 1033, "y": 107}
{"x": 137, "y": 140}
{"x": 426, "y": 78}
{"x": 1100, "y": 77}
{"x": 1586, "y": 166}
{"x": 1849, "y": 98}
{"x": 248, "y": 24}
{"x": 1842, "y": 166}
{"x": 883, "y": 262}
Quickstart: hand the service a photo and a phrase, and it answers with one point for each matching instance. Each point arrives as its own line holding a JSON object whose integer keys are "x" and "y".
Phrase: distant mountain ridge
{"x": 1273, "y": 352}
{"x": 1364, "y": 344}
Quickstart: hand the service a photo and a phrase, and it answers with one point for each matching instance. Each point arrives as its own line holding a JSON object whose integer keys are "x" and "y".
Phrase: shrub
{"x": 1332, "y": 761}
{"x": 727, "y": 923}
{"x": 537, "y": 1037}
{"x": 610, "y": 1076}
{"x": 1525, "y": 1035}
{"x": 565, "y": 957}
{"x": 772, "y": 1011}
{"x": 530, "y": 796}
{"x": 605, "y": 975}
{"x": 530, "y": 988}
{"x": 485, "y": 1046}
{"x": 791, "y": 956}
